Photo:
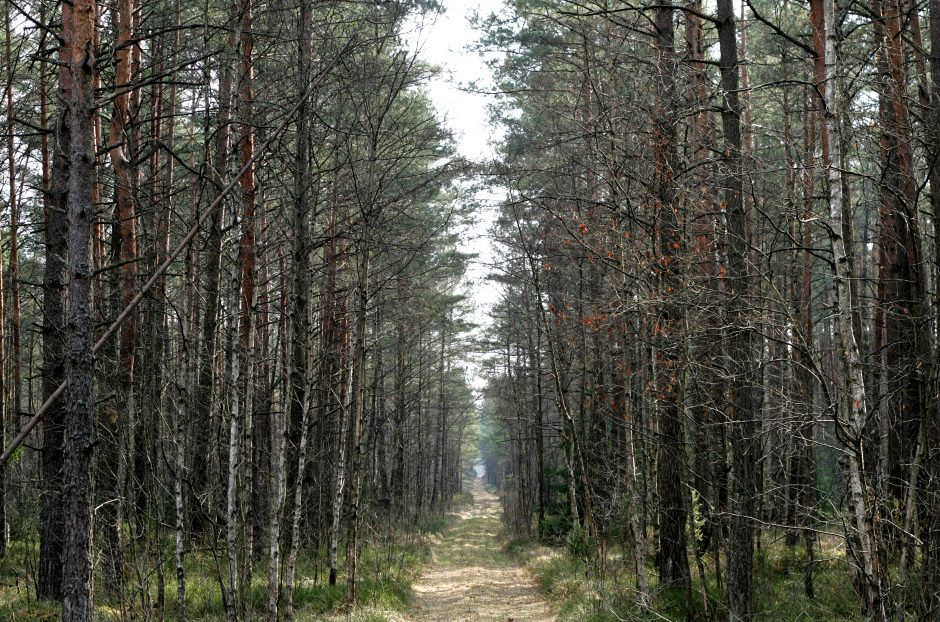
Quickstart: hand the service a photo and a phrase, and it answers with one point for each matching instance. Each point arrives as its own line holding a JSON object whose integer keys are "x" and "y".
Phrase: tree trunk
{"x": 930, "y": 531}
{"x": 234, "y": 463}
{"x": 673, "y": 555}
{"x": 297, "y": 493}
{"x": 343, "y": 378}
{"x": 741, "y": 412}
{"x": 125, "y": 183}
{"x": 853, "y": 411}
{"x": 15, "y": 407}
{"x": 55, "y": 184}
{"x": 77, "y": 55}
{"x": 204, "y": 418}
{"x": 300, "y": 277}
{"x": 359, "y": 355}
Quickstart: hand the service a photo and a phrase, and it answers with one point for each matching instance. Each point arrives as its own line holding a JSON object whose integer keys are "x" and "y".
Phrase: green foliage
{"x": 30, "y": 612}
{"x": 561, "y": 577}
{"x": 433, "y": 524}
{"x": 554, "y": 529}
{"x": 778, "y": 588}
{"x": 463, "y": 499}
{"x": 577, "y": 543}
{"x": 699, "y": 520}
{"x": 386, "y": 571}
{"x": 323, "y": 598}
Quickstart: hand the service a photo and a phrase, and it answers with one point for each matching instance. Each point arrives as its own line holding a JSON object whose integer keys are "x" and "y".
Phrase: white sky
{"x": 444, "y": 40}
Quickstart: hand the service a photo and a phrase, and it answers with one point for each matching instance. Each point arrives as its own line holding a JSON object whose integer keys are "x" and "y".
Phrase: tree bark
{"x": 673, "y": 558}
{"x": 77, "y": 55}
{"x": 290, "y": 570}
{"x": 15, "y": 406}
{"x": 741, "y": 410}
{"x": 359, "y": 355}
{"x": 853, "y": 410}
{"x": 204, "y": 419}
{"x": 55, "y": 186}
{"x": 930, "y": 531}
{"x": 300, "y": 276}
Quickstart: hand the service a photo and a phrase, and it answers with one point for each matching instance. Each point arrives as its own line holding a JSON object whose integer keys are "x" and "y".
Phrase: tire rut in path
{"x": 471, "y": 579}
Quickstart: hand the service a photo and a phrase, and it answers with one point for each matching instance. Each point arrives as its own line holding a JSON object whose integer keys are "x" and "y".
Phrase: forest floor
{"x": 779, "y": 575}
{"x": 471, "y": 578}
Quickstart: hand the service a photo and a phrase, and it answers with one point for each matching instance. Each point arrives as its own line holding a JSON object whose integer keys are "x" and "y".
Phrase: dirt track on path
{"x": 471, "y": 579}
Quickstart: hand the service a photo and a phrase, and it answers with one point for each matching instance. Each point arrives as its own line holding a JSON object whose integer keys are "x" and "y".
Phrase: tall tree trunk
{"x": 741, "y": 413}
{"x": 235, "y": 458}
{"x": 125, "y": 173}
{"x": 930, "y": 531}
{"x": 183, "y": 384}
{"x": 55, "y": 186}
{"x": 853, "y": 411}
{"x": 77, "y": 87}
{"x": 14, "y": 270}
{"x": 899, "y": 298}
{"x": 673, "y": 549}
{"x": 398, "y": 469}
{"x": 300, "y": 259}
{"x": 359, "y": 382}
{"x": 275, "y": 507}
{"x": 259, "y": 432}
{"x": 3, "y": 413}
{"x": 204, "y": 419}
{"x": 343, "y": 392}
{"x": 297, "y": 493}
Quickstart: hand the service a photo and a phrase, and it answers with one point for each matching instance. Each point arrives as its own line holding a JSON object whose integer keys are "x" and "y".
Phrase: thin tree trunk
{"x": 300, "y": 283}
{"x": 633, "y": 494}
{"x": 275, "y": 508}
{"x": 234, "y": 460}
{"x": 673, "y": 555}
{"x": 291, "y": 568}
{"x": 55, "y": 186}
{"x": 398, "y": 470}
{"x": 741, "y": 414}
{"x": 204, "y": 419}
{"x": 344, "y": 379}
{"x": 352, "y": 551}
{"x": 3, "y": 414}
{"x": 872, "y": 582}
{"x": 15, "y": 407}
{"x": 930, "y": 531}
{"x": 184, "y": 383}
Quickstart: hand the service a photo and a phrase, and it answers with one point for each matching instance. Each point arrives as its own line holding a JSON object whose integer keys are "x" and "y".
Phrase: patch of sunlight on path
{"x": 471, "y": 579}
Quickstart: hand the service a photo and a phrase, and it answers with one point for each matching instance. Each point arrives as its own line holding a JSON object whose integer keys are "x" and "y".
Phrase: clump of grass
{"x": 17, "y": 593}
{"x": 435, "y": 524}
{"x": 30, "y": 612}
{"x": 779, "y": 573}
{"x": 463, "y": 499}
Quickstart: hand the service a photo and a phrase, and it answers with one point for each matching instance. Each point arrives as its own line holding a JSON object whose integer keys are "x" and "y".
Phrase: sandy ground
{"x": 471, "y": 579}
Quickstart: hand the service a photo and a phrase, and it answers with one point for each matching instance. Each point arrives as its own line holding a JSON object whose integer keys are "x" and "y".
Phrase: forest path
{"x": 471, "y": 579}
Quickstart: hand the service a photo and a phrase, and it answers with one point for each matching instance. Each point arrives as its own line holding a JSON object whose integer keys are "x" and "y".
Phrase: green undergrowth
{"x": 779, "y": 594}
{"x": 388, "y": 565}
{"x": 463, "y": 499}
